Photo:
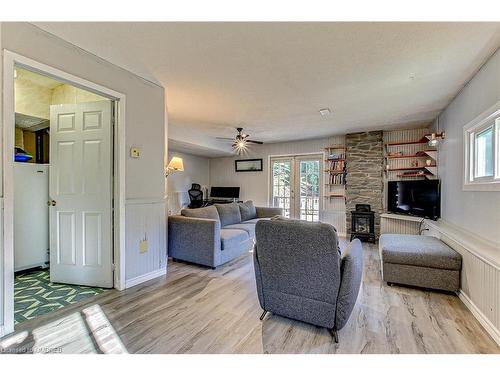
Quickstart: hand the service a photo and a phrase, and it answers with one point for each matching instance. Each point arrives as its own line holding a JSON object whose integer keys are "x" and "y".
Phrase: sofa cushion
{"x": 232, "y": 237}
{"x": 247, "y": 227}
{"x": 229, "y": 213}
{"x": 254, "y": 221}
{"x": 209, "y": 212}
{"x": 423, "y": 251}
{"x": 247, "y": 211}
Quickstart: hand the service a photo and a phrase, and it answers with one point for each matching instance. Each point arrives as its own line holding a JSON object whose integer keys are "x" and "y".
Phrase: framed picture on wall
{"x": 248, "y": 165}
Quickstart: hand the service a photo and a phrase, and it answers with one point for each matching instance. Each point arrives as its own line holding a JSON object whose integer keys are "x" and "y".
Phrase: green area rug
{"x": 35, "y": 295}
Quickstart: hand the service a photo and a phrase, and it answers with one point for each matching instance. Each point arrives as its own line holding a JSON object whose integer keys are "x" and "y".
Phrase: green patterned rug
{"x": 35, "y": 295}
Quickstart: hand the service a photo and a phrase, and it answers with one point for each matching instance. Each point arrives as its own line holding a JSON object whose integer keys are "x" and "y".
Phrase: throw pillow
{"x": 209, "y": 212}
{"x": 247, "y": 211}
{"x": 229, "y": 213}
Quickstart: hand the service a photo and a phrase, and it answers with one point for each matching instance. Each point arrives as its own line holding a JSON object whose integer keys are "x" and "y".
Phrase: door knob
{"x": 51, "y": 202}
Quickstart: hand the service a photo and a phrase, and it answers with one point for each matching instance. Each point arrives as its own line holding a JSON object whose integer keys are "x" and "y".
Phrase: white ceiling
{"x": 272, "y": 78}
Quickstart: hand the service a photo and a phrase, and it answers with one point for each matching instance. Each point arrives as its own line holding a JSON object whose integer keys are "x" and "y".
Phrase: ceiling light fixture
{"x": 240, "y": 146}
{"x": 324, "y": 112}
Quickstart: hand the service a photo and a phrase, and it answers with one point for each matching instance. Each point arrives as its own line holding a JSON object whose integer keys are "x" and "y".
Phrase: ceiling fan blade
{"x": 256, "y": 142}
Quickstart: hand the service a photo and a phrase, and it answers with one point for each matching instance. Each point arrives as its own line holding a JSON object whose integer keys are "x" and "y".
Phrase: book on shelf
{"x": 336, "y": 165}
{"x": 337, "y": 179}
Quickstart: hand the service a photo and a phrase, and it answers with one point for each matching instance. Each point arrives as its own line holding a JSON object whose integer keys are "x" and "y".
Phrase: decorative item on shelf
{"x": 428, "y": 162}
{"x": 176, "y": 165}
{"x": 395, "y": 154}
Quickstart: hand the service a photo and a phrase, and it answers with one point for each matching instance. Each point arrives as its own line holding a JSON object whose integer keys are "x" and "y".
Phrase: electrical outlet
{"x": 143, "y": 246}
{"x": 135, "y": 152}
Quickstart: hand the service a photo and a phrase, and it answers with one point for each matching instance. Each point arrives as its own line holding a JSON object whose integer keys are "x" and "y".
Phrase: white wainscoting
{"x": 145, "y": 219}
{"x": 399, "y": 224}
{"x": 480, "y": 276}
{"x": 335, "y": 218}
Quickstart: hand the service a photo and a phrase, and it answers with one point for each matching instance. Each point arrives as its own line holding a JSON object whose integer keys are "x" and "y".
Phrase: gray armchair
{"x": 301, "y": 274}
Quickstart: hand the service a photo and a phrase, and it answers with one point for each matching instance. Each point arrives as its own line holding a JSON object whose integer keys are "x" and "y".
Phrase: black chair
{"x": 195, "y": 196}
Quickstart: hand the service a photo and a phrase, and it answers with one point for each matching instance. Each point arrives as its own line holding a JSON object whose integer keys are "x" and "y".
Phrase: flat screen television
{"x": 418, "y": 198}
{"x": 225, "y": 192}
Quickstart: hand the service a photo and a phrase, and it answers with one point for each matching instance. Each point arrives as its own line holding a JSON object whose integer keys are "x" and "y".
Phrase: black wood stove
{"x": 363, "y": 223}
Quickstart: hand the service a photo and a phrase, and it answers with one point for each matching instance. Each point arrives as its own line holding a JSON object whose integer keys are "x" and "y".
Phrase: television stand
{"x": 399, "y": 224}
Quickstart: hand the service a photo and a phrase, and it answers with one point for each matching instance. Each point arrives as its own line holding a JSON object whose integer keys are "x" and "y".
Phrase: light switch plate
{"x": 135, "y": 152}
{"x": 143, "y": 246}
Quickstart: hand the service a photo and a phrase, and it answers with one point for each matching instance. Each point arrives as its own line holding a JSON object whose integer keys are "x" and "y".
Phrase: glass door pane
{"x": 309, "y": 189}
{"x": 281, "y": 185}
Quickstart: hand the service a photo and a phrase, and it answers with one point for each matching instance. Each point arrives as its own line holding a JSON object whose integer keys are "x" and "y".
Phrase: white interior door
{"x": 80, "y": 189}
{"x": 296, "y": 183}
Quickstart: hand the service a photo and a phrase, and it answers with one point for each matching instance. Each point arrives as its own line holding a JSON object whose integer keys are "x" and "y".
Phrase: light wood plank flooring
{"x": 198, "y": 310}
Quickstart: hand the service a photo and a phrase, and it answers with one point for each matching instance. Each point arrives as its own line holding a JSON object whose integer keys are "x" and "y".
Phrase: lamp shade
{"x": 176, "y": 164}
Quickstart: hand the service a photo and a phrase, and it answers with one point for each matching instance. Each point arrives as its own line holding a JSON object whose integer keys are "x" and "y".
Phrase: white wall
{"x": 146, "y": 125}
{"x": 196, "y": 170}
{"x": 478, "y": 212}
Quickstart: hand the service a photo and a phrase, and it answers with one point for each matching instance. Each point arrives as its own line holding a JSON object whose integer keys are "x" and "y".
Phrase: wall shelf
{"x": 411, "y": 168}
{"x": 335, "y": 147}
{"x": 333, "y": 171}
{"x": 411, "y": 156}
{"x": 415, "y": 175}
{"x": 424, "y": 139}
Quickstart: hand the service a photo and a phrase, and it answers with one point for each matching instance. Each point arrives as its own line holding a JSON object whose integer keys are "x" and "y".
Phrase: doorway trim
{"x": 11, "y": 60}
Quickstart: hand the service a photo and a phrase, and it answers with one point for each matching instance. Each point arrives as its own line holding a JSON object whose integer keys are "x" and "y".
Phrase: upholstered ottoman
{"x": 421, "y": 261}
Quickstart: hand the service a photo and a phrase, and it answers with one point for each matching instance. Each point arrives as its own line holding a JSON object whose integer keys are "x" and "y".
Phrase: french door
{"x": 296, "y": 183}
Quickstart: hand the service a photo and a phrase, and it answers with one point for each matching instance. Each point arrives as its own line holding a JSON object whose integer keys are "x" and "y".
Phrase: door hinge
{"x": 113, "y": 267}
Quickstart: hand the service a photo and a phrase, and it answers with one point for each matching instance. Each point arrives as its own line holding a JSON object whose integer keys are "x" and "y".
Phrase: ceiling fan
{"x": 241, "y": 141}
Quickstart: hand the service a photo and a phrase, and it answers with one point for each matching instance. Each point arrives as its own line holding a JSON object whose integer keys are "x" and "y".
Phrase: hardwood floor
{"x": 198, "y": 310}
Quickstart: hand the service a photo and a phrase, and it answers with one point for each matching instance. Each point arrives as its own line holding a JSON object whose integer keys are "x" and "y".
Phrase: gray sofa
{"x": 216, "y": 234}
{"x": 301, "y": 273}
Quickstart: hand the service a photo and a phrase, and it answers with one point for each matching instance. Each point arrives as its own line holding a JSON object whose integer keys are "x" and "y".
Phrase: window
{"x": 483, "y": 146}
{"x": 482, "y": 156}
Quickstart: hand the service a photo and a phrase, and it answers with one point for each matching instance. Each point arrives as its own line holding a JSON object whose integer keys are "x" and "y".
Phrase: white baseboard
{"x": 146, "y": 277}
{"x": 483, "y": 320}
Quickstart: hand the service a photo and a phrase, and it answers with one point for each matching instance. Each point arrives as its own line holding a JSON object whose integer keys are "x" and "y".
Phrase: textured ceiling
{"x": 37, "y": 79}
{"x": 272, "y": 78}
